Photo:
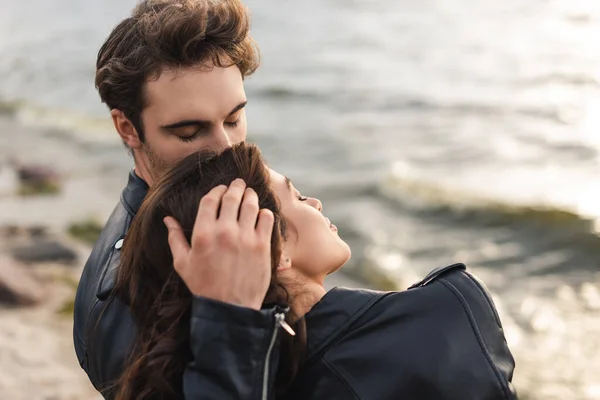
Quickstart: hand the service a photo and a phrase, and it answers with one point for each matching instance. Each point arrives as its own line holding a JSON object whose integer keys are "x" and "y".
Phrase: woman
{"x": 441, "y": 339}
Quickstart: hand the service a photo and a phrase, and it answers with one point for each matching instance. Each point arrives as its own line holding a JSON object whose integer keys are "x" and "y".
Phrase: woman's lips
{"x": 331, "y": 226}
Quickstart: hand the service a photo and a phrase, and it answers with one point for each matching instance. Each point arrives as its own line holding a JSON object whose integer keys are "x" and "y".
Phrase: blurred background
{"x": 434, "y": 131}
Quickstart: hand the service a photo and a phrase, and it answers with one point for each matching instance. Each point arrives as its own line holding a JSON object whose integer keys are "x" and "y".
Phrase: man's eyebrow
{"x": 202, "y": 124}
{"x": 188, "y": 122}
{"x": 238, "y": 108}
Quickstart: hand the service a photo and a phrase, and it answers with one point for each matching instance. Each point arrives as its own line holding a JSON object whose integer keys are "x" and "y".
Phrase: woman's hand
{"x": 230, "y": 257}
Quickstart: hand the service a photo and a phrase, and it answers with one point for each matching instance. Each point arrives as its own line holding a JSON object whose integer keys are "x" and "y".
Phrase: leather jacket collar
{"x": 134, "y": 193}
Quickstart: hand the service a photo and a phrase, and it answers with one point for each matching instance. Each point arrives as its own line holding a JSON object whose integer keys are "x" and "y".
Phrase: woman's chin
{"x": 343, "y": 261}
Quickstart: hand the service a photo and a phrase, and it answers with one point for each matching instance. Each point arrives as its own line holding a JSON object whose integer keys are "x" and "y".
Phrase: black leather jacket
{"x": 234, "y": 348}
{"x": 441, "y": 339}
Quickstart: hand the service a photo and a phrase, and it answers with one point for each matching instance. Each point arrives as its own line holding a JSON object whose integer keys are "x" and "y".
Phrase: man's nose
{"x": 222, "y": 140}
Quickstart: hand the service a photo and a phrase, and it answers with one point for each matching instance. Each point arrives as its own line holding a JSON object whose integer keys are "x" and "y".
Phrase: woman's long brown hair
{"x": 159, "y": 299}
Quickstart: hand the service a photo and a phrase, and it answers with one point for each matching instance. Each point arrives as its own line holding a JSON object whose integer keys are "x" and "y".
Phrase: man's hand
{"x": 229, "y": 258}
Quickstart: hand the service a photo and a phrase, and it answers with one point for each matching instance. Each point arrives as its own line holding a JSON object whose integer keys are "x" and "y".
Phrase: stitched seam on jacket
{"x": 489, "y": 301}
{"x": 77, "y": 336}
{"x": 83, "y": 360}
{"x": 343, "y": 380}
{"x": 321, "y": 350}
{"x": 87, "y": 336}
{"x": 484, "y": 350}
{"x": 89, "y": 318}
{"x": 127, "y": 207}
{"x": 107, "y": 265}
{"x": 128, "y": 220}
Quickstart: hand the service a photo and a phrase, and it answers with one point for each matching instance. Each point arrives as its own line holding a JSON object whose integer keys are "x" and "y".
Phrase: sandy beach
{"x": 37, "y": 358}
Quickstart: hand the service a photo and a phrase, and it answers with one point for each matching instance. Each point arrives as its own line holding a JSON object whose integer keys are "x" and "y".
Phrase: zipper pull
{"x": 281, "y": 319}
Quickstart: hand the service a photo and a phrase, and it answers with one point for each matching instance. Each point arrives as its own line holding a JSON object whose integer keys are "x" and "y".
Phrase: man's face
{"x": 191, "y": 109}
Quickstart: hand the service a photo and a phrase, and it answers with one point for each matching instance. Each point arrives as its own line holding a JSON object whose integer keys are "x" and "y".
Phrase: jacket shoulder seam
{"x": 477, "y": 333}
{"x": 327, "y": 344}
{"x": 488, "y": 300}
{"x": 343, "y": 380}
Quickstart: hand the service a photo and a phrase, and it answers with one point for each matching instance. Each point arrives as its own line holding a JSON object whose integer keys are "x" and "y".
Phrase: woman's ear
{"x": 285, "y": 263}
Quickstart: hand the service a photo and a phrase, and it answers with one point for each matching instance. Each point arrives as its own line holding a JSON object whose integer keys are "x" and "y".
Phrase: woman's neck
{"x": 309, "y": 293}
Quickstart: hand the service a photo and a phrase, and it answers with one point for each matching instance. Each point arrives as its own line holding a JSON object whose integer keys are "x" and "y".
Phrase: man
{"x": 172, "y": 76}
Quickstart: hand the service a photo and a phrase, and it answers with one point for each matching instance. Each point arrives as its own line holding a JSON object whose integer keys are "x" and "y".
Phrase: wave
{"x": 284, "y": 92}
{"x": 61, "y": 123}
{"x": 459, "y": 206}
{"x": 550, "y": 113}
{"x": 524, "y": 239}
{"x": 360, "y": 101}
{"x": 572, "y": 79}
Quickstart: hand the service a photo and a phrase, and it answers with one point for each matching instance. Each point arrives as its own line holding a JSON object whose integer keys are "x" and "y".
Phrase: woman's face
{"x": 312, "y": 242}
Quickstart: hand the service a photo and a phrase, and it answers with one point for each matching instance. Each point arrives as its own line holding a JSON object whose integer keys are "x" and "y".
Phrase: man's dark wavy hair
{"x": 170, "y": 34}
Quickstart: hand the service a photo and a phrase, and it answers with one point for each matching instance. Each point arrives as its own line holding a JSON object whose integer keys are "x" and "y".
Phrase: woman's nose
{"x": 316, "y": 203}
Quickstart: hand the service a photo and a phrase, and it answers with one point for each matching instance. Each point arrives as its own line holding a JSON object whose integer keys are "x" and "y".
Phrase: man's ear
{"x": 285, "y": 263}
{"x": 125, "y": 129}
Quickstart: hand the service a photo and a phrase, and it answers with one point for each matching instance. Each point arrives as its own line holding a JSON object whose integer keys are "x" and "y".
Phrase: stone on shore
{"x": 36, "y": 179}
{"x": 45, "y": 250}
{"x": 87, "y": 231}
{"x": 17, "y": 286}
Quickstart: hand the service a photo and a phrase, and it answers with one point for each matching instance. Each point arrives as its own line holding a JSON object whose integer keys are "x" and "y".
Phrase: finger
{"x": 249, "y": 210}
{"x": 264, "y": 227}
{"x": 232, "y": 199}
{"x": 209, "y": 208}
{"x": 177, "y": 241}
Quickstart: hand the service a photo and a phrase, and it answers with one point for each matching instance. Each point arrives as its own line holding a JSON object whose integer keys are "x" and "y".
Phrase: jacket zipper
{"x": 279, "y": 321}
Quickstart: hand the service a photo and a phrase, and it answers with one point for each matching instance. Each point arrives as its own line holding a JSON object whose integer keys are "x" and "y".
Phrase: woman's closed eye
{"x": 302, "y": 198}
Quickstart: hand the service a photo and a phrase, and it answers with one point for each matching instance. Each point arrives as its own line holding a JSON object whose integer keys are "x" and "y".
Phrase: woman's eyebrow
{"x": 288, "y": 182}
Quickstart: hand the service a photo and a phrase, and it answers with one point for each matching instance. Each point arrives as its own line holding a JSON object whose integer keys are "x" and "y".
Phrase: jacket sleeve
{"x": 235, "y": 352}
{"x": 439, "y": 340}
{"x": 492, "y": 358}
